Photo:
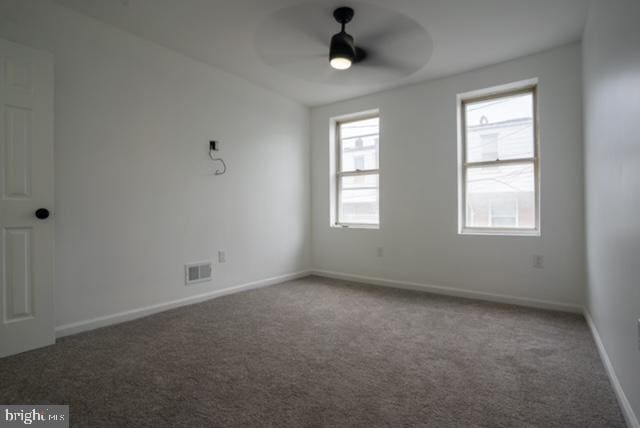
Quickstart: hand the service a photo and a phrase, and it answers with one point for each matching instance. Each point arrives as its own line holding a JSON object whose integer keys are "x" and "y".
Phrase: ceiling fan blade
{"x": 286, "y": 58}
{"x": 391, "y": 30}
{"x": 394, "y": 60}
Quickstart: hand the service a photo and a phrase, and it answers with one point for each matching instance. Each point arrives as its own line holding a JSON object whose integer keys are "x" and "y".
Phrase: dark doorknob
{"x": 42, "y": 213}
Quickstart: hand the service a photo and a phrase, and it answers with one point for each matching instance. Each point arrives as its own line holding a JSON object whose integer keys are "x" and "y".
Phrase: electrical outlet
{"x": 380, "y": 251}
{"x": 222, "y": 257}
{"x": 538, "y": 261}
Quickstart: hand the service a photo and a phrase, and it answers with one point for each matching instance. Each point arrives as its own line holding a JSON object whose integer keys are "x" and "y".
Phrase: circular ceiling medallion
{"x": 295, "y": 41}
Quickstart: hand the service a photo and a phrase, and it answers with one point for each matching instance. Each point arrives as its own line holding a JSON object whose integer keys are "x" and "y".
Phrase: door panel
{"x": 17, "y": 160}
{"x": 26, "y": 184}
{"x": 17, "y": 285}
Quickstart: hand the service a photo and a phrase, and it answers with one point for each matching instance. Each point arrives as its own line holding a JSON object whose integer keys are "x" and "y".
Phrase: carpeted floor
{"x": 320, "y": 352}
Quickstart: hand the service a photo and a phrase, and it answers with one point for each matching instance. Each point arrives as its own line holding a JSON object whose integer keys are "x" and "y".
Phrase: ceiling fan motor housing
{"x": 342, "y": 46}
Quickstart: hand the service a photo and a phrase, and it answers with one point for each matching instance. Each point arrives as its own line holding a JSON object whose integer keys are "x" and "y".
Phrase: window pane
{"x": 359, "y": 145}
{"x": 500, "y": 128}
{"x": 359, "y": 199}
{"x": 369, "y": 181}
{"x": 501, "y": 196}
{"x": 359, "y": 128}
{"x": 359, "y": 153}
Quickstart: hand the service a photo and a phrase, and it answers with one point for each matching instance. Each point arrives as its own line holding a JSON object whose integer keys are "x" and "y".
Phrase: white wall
{"x": 419, "y": 189}
{"x": 134, "y": 196}
{"x": 611, "y": 55}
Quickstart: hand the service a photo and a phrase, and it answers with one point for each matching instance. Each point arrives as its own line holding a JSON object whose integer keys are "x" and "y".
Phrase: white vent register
{"x": 197, "y": 272}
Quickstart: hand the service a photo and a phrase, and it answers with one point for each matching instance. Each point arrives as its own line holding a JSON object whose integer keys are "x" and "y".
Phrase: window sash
{"x": 530, "y": 161}
{"x": 358, "y": 172}
{"x": 534, "y": 160}
{"x": 357, "y": 136}
{"x": 500, "y": 162}
{"x": 340, "y": 186}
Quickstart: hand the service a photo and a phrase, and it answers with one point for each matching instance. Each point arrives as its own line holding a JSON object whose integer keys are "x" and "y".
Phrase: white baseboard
{"x": 627, "y": 410}
{"x": 77, "y": 327}
{"x": 451, "y": 291}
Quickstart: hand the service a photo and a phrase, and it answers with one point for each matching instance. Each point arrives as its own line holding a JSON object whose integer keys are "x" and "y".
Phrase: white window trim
{"x": 338, "y": 173}
{"x": 529, "y": 86}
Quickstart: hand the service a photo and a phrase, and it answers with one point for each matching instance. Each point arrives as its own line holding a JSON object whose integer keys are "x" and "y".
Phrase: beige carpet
{"x": 319, "y": 352}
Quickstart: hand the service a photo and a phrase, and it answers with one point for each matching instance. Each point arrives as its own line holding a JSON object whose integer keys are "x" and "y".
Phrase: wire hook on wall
{"x": 213, "y": 147}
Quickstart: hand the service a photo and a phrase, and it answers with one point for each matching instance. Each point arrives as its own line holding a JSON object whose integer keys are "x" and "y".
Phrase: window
{"x": 499, "y": 164}
{"x": 357, "y": 173}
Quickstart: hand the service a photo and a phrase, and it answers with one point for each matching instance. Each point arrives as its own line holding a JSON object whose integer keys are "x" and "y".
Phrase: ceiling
{"x": 238, "y": 36}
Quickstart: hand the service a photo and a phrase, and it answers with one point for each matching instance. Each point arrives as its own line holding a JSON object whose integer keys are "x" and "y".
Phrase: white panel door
{"x": 26, "y": 185}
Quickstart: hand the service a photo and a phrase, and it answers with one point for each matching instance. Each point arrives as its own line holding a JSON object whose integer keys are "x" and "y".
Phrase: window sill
{"x": 500, "y": 232}
{"x": 356, "y": 226}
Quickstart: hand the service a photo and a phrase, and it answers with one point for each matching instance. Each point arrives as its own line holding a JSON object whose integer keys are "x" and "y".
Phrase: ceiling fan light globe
{"x": 340, "y": 63}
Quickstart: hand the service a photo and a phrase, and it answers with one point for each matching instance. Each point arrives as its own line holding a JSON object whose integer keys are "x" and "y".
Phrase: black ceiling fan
{"x": 343, "y": 52}
{"x": 388, "y": 45}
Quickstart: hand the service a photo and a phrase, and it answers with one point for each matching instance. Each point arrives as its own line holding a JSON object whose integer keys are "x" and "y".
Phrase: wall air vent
{"x": 197, "y": 272}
